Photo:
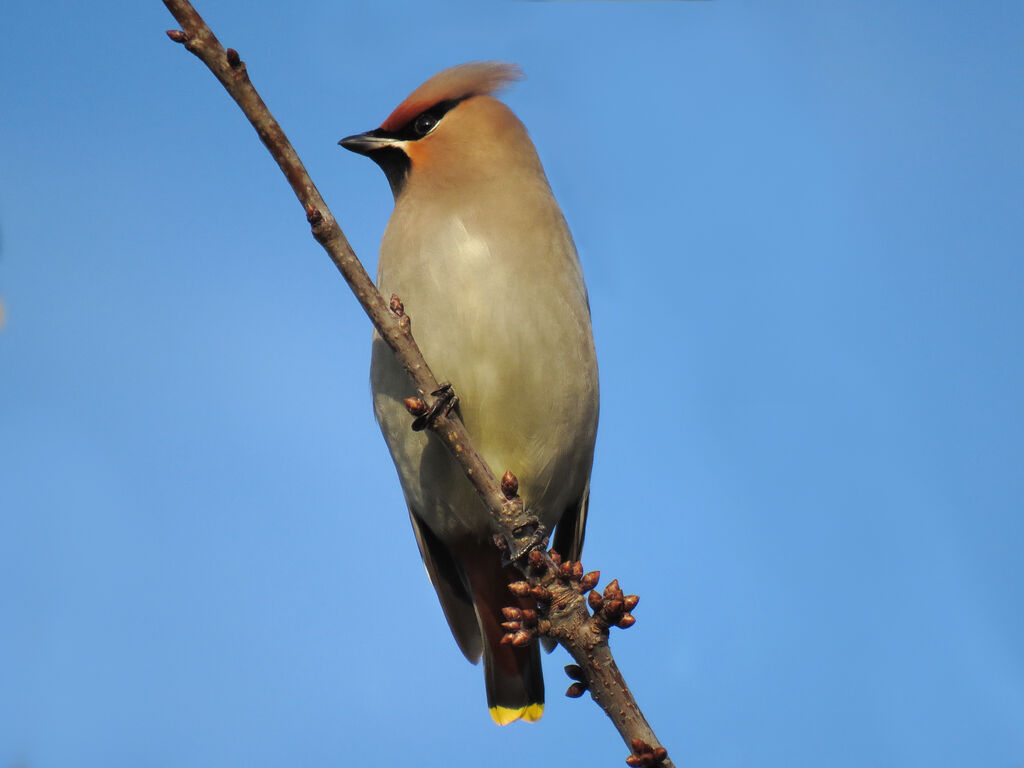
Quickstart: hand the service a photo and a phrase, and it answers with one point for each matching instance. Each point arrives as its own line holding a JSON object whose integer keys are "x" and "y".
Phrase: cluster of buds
{"x": 612, "y": 608}
{"x": 525, "y": 589}
{"x": 645, "y": 754}
{"x": 522, "y": 625}
{"x": 570, "y": 572}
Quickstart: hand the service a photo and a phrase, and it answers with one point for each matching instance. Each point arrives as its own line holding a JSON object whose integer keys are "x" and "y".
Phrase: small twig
{"x": 559, "y": 593}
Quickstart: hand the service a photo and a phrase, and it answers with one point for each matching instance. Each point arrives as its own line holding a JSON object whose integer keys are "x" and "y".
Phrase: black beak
{"x": 365, "y": 143}
{"x": 386, "y": 151}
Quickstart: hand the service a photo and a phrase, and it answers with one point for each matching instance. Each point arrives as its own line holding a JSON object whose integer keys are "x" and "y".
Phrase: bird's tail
{"x": 515, "y": 683}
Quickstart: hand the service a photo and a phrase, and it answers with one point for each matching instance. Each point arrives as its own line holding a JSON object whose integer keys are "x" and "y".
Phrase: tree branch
{"x": 558, "y": 587}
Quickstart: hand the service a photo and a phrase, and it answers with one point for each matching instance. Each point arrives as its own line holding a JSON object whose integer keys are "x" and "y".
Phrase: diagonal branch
{"x": 558, "y": 587}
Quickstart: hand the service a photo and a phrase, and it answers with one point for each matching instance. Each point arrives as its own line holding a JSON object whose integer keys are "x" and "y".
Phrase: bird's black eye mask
{"x": 392, "y": 160}
{"x": 422, "y": 124}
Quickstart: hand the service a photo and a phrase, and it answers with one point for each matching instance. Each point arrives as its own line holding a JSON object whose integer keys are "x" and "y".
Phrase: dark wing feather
{"x": 451, "y": 591}
{"x": 568, "y": 539}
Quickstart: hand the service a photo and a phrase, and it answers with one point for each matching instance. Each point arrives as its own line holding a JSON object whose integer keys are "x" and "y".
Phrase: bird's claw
{"x": 525, "y": 537}
{"x": 445, "y": 400}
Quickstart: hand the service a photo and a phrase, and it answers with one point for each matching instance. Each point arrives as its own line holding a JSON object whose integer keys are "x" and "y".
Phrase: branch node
{"x": 396, "y": 306}
{"x": 645, "y": 754}
{"x": 313, "y": 215}
{"x": 613, "y": 611}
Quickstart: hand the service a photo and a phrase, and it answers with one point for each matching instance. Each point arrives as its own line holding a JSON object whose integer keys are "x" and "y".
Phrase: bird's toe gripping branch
{"x": 445, "y": 400}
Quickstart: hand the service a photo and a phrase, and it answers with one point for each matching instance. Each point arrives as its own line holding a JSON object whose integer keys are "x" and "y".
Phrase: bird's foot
{"x": 525, "y": 537}
{"x": 445, "y": 400}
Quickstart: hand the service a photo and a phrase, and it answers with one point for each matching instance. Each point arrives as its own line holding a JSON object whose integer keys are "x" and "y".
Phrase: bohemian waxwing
{"x": 478, "y": 251}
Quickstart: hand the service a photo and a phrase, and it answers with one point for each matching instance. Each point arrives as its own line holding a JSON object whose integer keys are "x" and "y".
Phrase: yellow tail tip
{"x": 505, "y": 715}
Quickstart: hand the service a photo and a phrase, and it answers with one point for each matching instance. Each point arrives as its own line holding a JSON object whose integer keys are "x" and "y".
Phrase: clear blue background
{"x": 801, "y": 225}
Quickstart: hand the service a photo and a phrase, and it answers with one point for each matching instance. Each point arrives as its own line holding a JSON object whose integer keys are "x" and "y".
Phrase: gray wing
{"x": 451, "y": 590}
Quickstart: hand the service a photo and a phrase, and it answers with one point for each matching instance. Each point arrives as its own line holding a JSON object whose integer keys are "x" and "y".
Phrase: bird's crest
{"x": 476, "y": 78}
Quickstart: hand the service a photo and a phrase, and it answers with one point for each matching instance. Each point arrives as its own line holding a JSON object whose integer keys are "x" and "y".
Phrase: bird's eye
{"x": 424, "y": 124}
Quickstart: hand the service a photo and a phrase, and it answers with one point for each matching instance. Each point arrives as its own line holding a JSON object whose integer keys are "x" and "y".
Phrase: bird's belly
{"x": 517, "y": 349}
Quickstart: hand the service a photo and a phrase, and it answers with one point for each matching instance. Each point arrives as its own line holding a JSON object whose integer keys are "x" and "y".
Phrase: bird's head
{"x": 448, "y": 126}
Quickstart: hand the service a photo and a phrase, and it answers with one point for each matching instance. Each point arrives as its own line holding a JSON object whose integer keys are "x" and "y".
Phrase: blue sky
{"x": 801, "y": 225}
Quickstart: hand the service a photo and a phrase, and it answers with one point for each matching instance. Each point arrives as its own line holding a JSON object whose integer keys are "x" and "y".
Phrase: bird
{"x": 479, "y": 252}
